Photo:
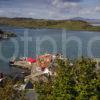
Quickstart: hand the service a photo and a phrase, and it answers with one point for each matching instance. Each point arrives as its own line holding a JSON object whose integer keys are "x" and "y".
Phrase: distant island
{"x": 6, "y": 35}
{"x": 71, "y": 24}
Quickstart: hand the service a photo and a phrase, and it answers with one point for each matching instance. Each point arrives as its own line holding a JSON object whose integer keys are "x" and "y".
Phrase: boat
{"x": 12, "y": 61}
{"x": 2, "y": 77}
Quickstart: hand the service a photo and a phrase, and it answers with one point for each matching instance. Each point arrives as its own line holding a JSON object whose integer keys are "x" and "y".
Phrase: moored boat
{"x": 12, "y": 60}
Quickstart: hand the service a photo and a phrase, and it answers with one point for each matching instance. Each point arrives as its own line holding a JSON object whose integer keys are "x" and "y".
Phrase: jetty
{"x": 40, "y": 67}
{"x": 22, "y": 64}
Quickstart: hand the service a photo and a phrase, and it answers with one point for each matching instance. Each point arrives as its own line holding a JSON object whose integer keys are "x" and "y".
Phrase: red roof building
{"x": 31, "y": 60}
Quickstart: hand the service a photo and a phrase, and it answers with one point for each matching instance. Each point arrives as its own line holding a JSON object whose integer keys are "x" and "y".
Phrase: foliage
{"x": 7, "y": 91}
{"x": 78, "y": 82}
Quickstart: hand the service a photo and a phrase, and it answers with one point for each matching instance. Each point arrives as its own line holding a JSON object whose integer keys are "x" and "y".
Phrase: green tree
{"x": 7, "y": 92}
{"x": 80, "y": 81}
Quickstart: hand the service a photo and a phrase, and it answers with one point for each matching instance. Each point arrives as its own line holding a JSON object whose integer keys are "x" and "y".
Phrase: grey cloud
{"x": 72, "y": 0}
{"x": 65, "y": 5}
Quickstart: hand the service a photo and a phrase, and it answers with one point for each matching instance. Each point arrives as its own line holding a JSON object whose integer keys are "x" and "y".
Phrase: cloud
{"x": 72, "y": 0}
{"x": 53, "y": 9}
{"x": 97, "y": 9}
{"x": 66, "y": 7}
{"x": 65, "y": 3}
{"x": 54, "y": 2}
{"x": 75, "y": 8}
{"x": 57, "y": 9}
{"x": 92, "y": 11}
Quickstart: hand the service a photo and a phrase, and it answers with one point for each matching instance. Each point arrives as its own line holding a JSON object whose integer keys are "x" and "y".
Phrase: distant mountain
{"x": 78, "y": 18}
{"x": 93, "y": 21}
{"x": 77, "y": 24}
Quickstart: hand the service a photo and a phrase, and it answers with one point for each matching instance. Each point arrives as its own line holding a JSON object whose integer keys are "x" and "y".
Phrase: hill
{"x": 92, "y": 21}
{"x": 42, "y": 23}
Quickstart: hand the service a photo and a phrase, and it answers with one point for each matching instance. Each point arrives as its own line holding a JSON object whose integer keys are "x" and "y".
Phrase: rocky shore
{"x": 6, "y": 35}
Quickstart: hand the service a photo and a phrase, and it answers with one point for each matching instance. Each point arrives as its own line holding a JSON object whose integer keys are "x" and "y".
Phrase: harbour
{"x": 8, "y": 47}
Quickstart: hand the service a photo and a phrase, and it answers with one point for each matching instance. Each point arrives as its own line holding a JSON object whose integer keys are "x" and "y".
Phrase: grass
{"x": 40, "y": 23}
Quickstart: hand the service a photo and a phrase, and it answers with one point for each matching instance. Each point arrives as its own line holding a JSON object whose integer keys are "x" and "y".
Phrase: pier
{"x": 22, "y": 64}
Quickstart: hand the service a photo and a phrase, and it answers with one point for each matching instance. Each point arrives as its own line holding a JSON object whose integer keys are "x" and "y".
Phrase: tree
{"x": 86, "y": 78}
{"x": 80, "y": 81}
{"x": 7, "y": 92}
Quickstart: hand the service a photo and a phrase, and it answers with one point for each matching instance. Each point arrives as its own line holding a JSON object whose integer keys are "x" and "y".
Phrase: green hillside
{"x": 41, "y": 23}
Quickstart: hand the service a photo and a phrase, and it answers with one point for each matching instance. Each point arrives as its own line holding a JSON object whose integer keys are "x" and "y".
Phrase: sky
{"x": 50, "y": 9}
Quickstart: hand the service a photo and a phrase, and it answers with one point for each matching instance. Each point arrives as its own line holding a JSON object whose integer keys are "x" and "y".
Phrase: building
{"x": 31, "y": 60}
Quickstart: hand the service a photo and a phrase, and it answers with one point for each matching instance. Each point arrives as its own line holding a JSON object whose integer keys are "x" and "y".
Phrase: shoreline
{"x": 6, "y": 34}
{"x": 72, "y": 25}
{"x": 82, "y": 30}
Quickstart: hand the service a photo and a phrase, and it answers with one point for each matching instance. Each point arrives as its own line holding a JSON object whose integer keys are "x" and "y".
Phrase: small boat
{"x": 12, "y": 60}
{"x": 1, "y": 77}
{"x": 23, "y": 58}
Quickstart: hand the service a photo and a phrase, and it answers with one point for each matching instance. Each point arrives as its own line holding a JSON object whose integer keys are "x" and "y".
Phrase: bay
{"x": 31, "y": 42}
